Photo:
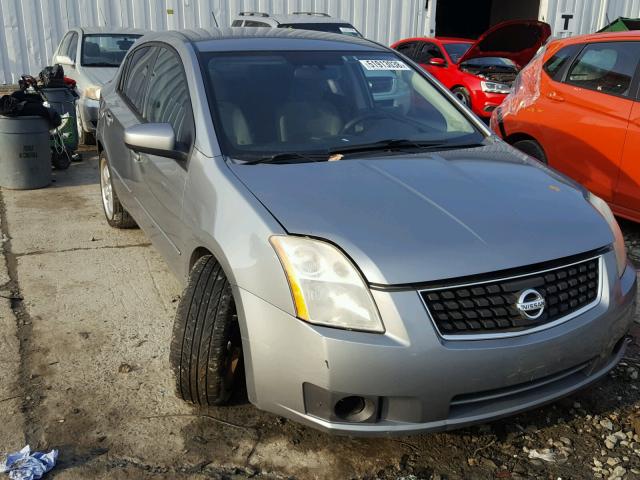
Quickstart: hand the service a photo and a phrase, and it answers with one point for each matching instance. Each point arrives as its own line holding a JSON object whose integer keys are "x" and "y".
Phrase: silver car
{"x": 91, "y": 56}
{"x": 374, "y": 267}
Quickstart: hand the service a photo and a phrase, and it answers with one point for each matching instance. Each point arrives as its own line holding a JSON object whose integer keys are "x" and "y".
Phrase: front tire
{"x": 206, "y": 348}
{"x": 463, "y": 96}
{"x": 531, "y": 148}
{"x": 117, "y": 216}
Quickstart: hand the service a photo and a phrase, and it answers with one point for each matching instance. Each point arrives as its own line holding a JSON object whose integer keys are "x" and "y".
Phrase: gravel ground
{"x": 85, "y": 322}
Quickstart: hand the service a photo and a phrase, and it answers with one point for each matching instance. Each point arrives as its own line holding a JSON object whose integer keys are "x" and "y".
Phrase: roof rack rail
{"x": 313, "y": 14}
{"x": 253, "y": 14}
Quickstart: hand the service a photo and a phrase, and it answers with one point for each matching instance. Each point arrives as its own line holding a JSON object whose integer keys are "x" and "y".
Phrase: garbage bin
{"x": 25, "y": 154}
{"x": 63, "y": 101}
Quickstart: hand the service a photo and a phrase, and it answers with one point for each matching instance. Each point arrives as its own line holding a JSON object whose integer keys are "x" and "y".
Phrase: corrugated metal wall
{"x": 589, "y": 15}
{"x": 31, "y": 29}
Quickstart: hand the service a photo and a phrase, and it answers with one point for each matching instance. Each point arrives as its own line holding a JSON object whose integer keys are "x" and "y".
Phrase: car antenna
{"x": 215, "y": 19}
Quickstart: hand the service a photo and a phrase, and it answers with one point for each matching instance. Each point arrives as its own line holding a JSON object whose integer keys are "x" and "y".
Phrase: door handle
{"x": 555, "y": 97}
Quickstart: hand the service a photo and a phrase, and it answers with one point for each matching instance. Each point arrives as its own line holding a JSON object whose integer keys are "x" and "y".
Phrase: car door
{"x": 121, "y": 110}
{"x": 626, "y": 201}
{"x": 167, "y": 101}
{"x": 425, "y": 53}
{"x": 586, "y": 115}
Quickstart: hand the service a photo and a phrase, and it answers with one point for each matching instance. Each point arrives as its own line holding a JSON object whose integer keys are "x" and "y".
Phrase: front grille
{"x": 490, "y": 307}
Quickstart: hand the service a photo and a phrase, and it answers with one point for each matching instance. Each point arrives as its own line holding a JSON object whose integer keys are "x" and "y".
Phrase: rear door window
{"x": 167, "y": 99}
{"x": 607, "y": 67}
{"x": 133, "y": 86}
{"x": 407, "y": 49}
{"x": 555, "y": 66}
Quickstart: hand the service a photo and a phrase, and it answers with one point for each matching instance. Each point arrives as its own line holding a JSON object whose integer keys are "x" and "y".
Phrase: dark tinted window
{"x": 606, "y": 67}
{"x": 429, "y": 51}
{"x": 456, "y": 50}
{"x": 237, "y": 23}
{"x": 554, "y": 65}
{"x": 253, "y": 23}
{"x": 73, "y": 47}
{"x": 136, "y": 74}
{"x": 342, "y": 28}
{"x": 407, "y": 49}
{"x": 167, "y": 99}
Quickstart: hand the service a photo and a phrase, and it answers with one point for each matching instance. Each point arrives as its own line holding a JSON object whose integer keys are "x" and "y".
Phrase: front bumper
{"x": 88, "y": 109}
{"x": 484, "y": 104}
{"x": 419, "y": 381}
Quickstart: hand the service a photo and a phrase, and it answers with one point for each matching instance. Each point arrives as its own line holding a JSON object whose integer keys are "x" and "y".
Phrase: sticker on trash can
{"x": 384, "y": 65}
{"x": 28, "y": 151}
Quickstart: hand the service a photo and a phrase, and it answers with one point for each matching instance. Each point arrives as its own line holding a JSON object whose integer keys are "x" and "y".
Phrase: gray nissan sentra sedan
{"x": 352, "y": 238}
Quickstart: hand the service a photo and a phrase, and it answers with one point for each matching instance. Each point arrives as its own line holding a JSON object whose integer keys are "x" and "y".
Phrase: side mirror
{"x": 65, "y": 60}
{"x": 437, "y": 62}
{"x": 153, "y": 138}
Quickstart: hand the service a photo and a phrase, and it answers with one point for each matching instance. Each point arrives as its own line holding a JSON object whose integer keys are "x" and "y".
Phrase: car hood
{"x": 517, "y": 40}
{"x": 420, "y": 218}
{"x": 99, "y": 75}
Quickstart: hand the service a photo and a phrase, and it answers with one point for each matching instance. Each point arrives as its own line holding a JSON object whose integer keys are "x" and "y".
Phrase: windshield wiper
{"x": 389, "y": 145}
{"x": 287, "y": 157}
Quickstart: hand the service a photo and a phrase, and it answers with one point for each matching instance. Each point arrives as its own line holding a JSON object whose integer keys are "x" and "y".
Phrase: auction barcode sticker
{"x": 384, "y": 65}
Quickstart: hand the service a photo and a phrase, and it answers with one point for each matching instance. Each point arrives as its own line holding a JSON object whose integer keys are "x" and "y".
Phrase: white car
{"x": 91, "y": 56}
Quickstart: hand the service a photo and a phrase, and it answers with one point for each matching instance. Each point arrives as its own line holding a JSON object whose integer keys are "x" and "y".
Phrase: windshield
{"x": 315, "y": 101}
{"x": 456, "y": 50}
{"x": 490, "y": 62}
{"x": 105, "y": 50}
{"x": 343, "y": 28}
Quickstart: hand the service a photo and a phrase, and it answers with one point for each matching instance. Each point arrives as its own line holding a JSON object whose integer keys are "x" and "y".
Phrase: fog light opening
{"x": 354, "y": 409}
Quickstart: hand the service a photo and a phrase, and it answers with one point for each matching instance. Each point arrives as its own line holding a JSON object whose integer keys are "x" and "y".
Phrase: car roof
{"x": 111, "y": 30}
{"x": 291, "y": 18}
{"x": 599, "y": 37}
{"x": 263, "y": 38}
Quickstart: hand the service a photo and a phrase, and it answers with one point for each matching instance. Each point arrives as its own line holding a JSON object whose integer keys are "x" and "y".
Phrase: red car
{"x": 479, "y": 72}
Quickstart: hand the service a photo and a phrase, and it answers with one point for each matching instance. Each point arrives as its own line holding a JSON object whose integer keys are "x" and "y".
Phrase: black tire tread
{"x": 203, "y": 324}
{"x": 531, "y": 148}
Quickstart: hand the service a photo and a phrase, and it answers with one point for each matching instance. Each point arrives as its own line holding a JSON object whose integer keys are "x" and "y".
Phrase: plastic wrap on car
{"x": 526, "y": 88}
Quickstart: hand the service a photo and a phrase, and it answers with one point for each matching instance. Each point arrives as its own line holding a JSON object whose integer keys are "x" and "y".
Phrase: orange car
{"x": 575, "y": 107}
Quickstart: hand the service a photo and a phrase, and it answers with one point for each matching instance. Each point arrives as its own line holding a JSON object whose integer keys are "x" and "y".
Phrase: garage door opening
{"x": 470, "y": 18}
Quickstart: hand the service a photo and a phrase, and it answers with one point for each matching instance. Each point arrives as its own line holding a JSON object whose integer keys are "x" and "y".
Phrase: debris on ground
{"x": 24, "y": 465}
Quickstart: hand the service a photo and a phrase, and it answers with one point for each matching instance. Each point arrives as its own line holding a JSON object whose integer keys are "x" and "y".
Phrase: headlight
{"x": 325, "y": 286}
{"x": 494, "y": 87}
{"x": 92, "y": 92}
{"x": 618, "y": 242}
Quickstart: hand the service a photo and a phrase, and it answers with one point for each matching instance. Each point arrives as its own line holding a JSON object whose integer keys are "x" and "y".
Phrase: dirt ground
{"x": 85, "y": 320}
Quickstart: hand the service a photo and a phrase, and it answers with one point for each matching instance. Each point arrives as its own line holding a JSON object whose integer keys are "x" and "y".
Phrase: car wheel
{"x": 462, "y": 94}
{"x": 84, "y": 138}
{"x": 116, "y": 214}
{"x": 206, "y": 348}
{"x": 531, "y": 148}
